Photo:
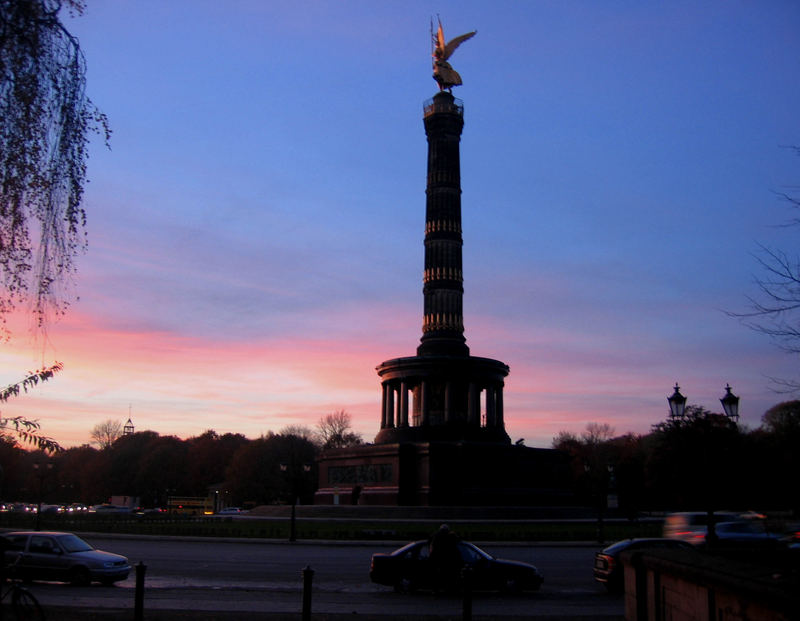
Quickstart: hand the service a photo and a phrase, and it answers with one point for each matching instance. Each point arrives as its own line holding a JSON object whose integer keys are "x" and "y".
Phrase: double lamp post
{"x": 730, "y": 405}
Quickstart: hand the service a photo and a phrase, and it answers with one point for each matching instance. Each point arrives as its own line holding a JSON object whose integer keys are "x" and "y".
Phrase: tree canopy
{"x": 335, "y": 431}
{"x": 106, "y": 433}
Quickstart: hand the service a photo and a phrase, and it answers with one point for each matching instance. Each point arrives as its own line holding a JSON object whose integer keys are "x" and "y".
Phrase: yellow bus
{"x": 190, "y": 505}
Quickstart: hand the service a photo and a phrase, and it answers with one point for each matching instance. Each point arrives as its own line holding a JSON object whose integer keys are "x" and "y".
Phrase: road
{"x": 266, "y": 576}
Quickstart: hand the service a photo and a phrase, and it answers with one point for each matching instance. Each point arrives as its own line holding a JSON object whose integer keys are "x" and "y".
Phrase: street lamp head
{"x": 677, "y": 403}
{"x": 730, "y": 403}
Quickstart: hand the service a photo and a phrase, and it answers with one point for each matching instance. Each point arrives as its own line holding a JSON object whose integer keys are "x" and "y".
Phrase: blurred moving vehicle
{"x": 231, "y": 511}
{"x": 410, "y": 568}
{"x": 62, "y": 557}
{"x": 746, "y": 531}
{"x": 692, "y": 526}
{"x": 608, "y": 568}
{"x": 750, "y": 535}
{"x": 107, "y": 509}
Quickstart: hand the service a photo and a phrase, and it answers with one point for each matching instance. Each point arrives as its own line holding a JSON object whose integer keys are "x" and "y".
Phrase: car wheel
{"x": 405, "y": 585}
{"x": 79, "y": 576}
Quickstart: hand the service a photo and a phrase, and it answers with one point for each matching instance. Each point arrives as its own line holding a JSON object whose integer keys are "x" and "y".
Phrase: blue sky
{"x": 255, "y": 231}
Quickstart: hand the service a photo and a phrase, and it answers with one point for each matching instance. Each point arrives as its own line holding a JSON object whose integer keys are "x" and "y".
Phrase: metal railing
{"x": 432, "y": 106}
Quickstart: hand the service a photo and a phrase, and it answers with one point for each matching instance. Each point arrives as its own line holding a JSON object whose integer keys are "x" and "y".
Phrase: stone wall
{"x": 739, "y": 585}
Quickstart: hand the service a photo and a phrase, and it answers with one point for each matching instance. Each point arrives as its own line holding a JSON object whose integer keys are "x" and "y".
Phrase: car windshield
{"x": 71, "y": 543}
{"x": 471, "y": 553}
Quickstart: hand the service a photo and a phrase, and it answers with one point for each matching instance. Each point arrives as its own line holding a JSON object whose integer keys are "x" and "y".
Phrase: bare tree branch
{"x": 775, "y": 310}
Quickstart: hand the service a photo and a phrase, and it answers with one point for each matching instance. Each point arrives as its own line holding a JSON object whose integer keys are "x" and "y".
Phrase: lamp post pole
{"x": 41, "y": 472}
{"x": 291, "y": 471}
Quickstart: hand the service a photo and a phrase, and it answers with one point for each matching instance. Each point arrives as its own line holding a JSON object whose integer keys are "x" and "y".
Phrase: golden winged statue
{"x": 443, "y": 73}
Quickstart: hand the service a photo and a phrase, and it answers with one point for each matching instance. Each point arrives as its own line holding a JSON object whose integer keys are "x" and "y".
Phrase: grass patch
{"x": 344, "y": 529}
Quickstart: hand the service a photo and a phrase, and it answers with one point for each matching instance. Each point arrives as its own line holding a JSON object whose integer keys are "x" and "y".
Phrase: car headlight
{"x": 108, "y": 564}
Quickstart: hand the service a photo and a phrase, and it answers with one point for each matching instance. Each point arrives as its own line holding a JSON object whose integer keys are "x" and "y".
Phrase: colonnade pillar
{"x": 397, "y": 395}
{"x": 403, "y": 413}
{"x": 425, "y": 399}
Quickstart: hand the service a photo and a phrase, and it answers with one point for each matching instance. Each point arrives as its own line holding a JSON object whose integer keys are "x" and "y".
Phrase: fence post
{"x": 466, "y": 582}
{"x": 308, "y": 577}
{"x": 138, "y": 607}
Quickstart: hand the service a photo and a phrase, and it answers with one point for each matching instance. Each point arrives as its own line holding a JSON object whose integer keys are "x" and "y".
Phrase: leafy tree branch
{"x": 27, "y": 431}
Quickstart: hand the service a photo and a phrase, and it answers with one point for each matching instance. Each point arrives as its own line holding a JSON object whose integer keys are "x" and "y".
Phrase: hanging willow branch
{"x": 28, "y": 430}
{"x": 45, "y": 123}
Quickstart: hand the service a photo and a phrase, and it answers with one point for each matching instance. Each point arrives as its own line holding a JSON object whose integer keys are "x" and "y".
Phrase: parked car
{"x": 62, "y": 557}
{"x": 692, "y": 526}
{"x": 608, "y": 568}
{"x": 410, "y": 568}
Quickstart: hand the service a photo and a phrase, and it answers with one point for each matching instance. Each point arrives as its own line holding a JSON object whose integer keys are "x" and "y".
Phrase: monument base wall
{"x": 443, "y": 474}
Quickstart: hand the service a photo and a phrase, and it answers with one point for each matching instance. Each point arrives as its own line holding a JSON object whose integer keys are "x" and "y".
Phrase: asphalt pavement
{"x": 185, "y": 604}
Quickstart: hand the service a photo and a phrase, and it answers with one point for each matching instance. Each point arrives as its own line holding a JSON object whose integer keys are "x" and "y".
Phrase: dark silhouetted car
{"x": 63, "y": 557}
{"x": 607, "y": 566}
{"x": 410, "y": 568}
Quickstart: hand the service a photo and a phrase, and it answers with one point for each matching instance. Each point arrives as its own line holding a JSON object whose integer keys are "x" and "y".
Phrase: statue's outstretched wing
{"x": 438, "y": 41}
{"x": 454, "y": 43}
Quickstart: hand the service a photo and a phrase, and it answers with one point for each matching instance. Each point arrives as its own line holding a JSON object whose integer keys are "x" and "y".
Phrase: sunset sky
{"x": 255, "y": 231}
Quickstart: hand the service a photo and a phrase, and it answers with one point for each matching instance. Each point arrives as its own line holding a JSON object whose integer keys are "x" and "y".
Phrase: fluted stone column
{"x": 426, "y": 402}
{"x": 390, "y": 405}
{"x": 403, "y": 405}
{"x": 443, "y": 289}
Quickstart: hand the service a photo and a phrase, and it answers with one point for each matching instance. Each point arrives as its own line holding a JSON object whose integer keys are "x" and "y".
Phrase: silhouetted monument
{"x": 442, "y": 438}
{"x": 442, "y": 393}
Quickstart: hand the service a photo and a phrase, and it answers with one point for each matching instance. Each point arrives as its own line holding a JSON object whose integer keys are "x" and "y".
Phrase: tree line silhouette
{"x": 150, "y": 467}
{"x": 702, "y": 460}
